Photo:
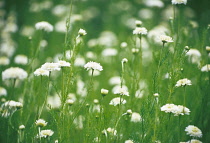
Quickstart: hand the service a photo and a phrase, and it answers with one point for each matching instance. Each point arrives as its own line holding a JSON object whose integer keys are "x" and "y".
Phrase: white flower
{"x": 64, "y": 64}
{"x": 21, "y": 127}
{"x": 124, "y": 60}
{"x": 194, "y": 56}
{"x": 114, "y": 80}
{"x": 46, "y": 133}
{"x": 123, "y": 45}
{"x": 93, "y": 66}
{"x": 111, "y": 131}
{"x": 140, "y": 31}
{"x": 41, "y": 72}
{"x": 169, "y": 108}
{"x": 181, "y": 110}
{"x": 183, "y": 82}
{"x": 41, "y": 123}
{"x": 116, "y": 101}
{"x": 136, "y": 117}
{"x": 45, "y": 26}
{"x": 104, "y": 91}
{"x": 208, "y": 48}
{"x": 121, "y": 91}
{"x": 179, "y": 2}
{"x": 193, "y": 131}
{"x": 4, "y": 61}
{"x": 82, "y": 32}
{"x": 21, "y": 59}
{"x": 128, "y": 141}
{"x": 14, "y": 73}
{"x": 51, "y": 66}
{"x": 138, "y": 23}
{"x": 165, "y": 39}
{"x": 69, "y": 101}
{"x": 109, "y": 52}
{"x": 9, "y": 107}
{"x": 3, "y": 91}
{"x": 156, "y": 94}
{"x": 206, "y": 68}
{"x": 194, "y": 141}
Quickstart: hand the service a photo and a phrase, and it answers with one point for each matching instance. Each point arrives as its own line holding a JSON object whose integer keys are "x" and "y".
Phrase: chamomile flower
{"x": 93, "y": 66}
{"x": 81, "y": 32}
{"x": 41, "y": 123}
{"x": 183, "y": 82}
{"x": 63, "y": 64}
{"x": 51, "y": 67}
{"x": 117, "y": 101}
{"x": 179, "y": 2}
{"x": 136, "y": 117}
{"x": 46, "y": 133}
{"x": 45, "y": 26}
{"x": 165, "y": 39}
{"x": 41, "y": 72}
{"x": 206, "y": 68}
{"x": 168, "y": 108}
{"x": 193, "y": 131}
{"x": 140, "y": 31}
{"x": 14, "y": 73}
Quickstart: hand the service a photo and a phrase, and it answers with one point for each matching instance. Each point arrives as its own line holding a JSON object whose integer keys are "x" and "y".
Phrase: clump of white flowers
{"x": 206, "y": 68}
{"x": 41, "y": 123}
{"x": 93, "y": 66}
{"x": 179, "y": 2}
{"x": 46, "y": 133}
{"x": 165, "y": 39}
{"x": 183, "y": 82}
{"x": 14, "y": 73}
{"x": 193, "y": 131}
{"x": 117, "y": 101}
{"x": 21, "y": 59}
{"x": 45, "y": 26}
{"x": 140, "y": 31}
{"x": 175, "y": 109}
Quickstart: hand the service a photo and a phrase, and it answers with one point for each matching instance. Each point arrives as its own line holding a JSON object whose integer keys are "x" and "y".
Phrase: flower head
{"x": 45, "y": 26}
{"x": 14, "y": 73}
{"x": 46, "y": 133}
{"x": 166, "y": 39}
{"x": 194, "y": 141}
{"x": 206, "y": 68}
{"x": 93, "y": 66}
{"x": 21, "y": 127}
{"x": 41, "y": 72}
{"x": 116, "y": 101}
{"x": 3, "y": 91}
{"x": 9, "y": 107}
{"x": 64, "y": 64}
{"x": 21, "y": 59}
{"x": 82, "y": 32}
{"x": 4, "y": 61}
{"x": 136, "y": 117}
{"x": 168, "y": 108}
{"x": 193, "y": 131}
{"x": 121, "y": 91}
{"x": 104, "y": 91}
{"x": 41, "y": 123}
{"x": 183, "y": 82}
{"x": 51, "y": 66}
{"x": 181, "y": 110}
{"x": 140, "y": 31}
{"x": 179, "y": 2}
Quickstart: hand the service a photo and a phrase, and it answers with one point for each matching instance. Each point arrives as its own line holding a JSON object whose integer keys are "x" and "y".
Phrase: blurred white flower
{"x": 3, "y": 91}
{"x": 41, "y": 123}
{"x": 21, "y": 127}
{"x": 136, "y": 117}
{"x": 179, "y": 2}
{"x": 116, "y": 101}
{"x": 63, "y": 63}
{"x": 165, "y": 39}
{"x": 4, "y": 61}
{"x": 140, "y": 31}
{"x": 109, "y": 52}
{"x": 168, "y": 108}
{"x": 21, "y": 59}
{"x": 82, "y": 32}
{"x": 46, "y": 133}
{"x": 45, "y": 26}
{"x": 194, "y": 56}
{"x": 93, "y": 66}
{"x": 193, "y": 131}
{"x": 9, "y": 107}
{"x": 183, "y": 82}
{"x": 51, "y": 67}
{"x": 194, "y": 141}
{"x": 14, "y": 73}
{"x": 121, "y": 91}
{"x": 206, "y": 68}
{"x": 181, "y": 110}
{"x": 104, "y": 91}
{"x": 41, "y": 72}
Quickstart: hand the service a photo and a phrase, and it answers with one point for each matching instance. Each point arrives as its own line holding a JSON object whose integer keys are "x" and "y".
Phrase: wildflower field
{"x": 105, "y": 71}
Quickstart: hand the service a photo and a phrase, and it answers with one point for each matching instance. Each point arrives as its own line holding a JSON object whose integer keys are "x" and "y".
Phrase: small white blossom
{"x": 51, "y": 67}
{"x": 206, "y": 68}
{"x": 136, "y": 117}
{"x": 21, "y": 127}
{"x": 111, "y": 131}
{"x": 21, "y": 59}
{"x": 194, "y": 141}
{"x": 14, "y": 73}
{"x": 121, "y": 91}
{"x": 116, "y": 101}
{"x": 129, "y": 141}
{"x": 64, "y": 64}
{"x": 45, "y": 26}
{"x": 181, "y": 110}
{"x": 140, "y": 31}
{"x": 193, "y": 131}
{"x": 82, "y": 32}
{"x": 4, "y": 61}
{"x": 168, "y": 108}
{"x": 3, "y": 91}
{"x": 179, "y": 2}
{"x": 138, "y": 23}
{"x": 93, "y": 66}
{"x": 41, "y": 123}
{"x": 9, "y": 107}
{"x": 41, "y": 72}
{"x": 124, "y": 60}
{"x": 183, "y": 82}
{"x": 46, "y": 133}
{"x": 104, "y": 91}
{"x": 165, "y": 39}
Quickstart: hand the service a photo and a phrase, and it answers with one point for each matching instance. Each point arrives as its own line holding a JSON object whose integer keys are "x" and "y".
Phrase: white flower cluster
{"x": 48, "y": 67}
{"x": 9, "y": 107}
{"x": 140, "y": 31}
{"x": 117, "y": 101}
{"x": 193, "y": 131}
{"x": 14, "y": 73}
{"x": 183, "y": 82}
{"x": 45, "y": 26}
{"x": 121, "y": 91}
{"x": 179, "y": 2}
{"x": 93, "y": 66}
{"x": 175, "y": 109}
